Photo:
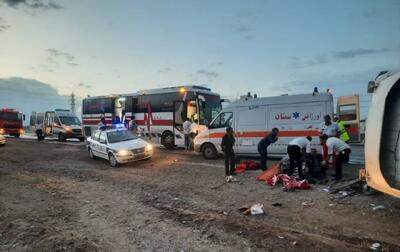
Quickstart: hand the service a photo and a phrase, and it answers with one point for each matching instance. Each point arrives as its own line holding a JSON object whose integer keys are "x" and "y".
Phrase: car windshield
{"x": 120, "y": 136}
{"x": 70, "y": 120}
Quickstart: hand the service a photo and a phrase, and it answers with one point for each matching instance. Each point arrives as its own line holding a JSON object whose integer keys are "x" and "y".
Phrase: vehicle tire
{"x": 209, "y": 151}
{"x": 81, "y": 139}
{"x": 61, "y": 137}
{"x": 91, "y": 155}
{"x": 113, "y": 161}
{"x": 147, "y": 159}
{"x": 16, "y": 135}
{"x": 167, "y": 139}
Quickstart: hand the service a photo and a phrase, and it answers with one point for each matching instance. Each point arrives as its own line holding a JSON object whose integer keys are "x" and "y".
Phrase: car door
{"x": 102, "y": 146}
{"x": 94, "y": 143}
{"x": 218, "y": 128}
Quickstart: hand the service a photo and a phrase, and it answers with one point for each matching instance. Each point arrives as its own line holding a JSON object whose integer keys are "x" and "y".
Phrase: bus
{"x": 348, "y": 110}
{"x": 159, "y": 113}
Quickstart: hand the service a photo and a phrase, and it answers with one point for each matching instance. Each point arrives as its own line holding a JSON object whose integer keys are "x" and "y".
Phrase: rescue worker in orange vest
{"x": 343, "y": 135}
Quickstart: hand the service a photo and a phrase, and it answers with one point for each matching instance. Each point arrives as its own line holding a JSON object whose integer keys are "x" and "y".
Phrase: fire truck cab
{"x": 11, "y": 122}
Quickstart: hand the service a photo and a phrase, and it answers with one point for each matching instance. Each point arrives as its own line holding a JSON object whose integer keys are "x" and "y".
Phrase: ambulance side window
{"x": 222, "y": 121}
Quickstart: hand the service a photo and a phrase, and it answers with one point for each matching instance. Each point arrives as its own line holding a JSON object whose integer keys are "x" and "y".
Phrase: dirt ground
{"x": 54, "y": 198}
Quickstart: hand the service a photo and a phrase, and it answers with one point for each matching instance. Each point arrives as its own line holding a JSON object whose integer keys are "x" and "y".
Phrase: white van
{"x": 59, "y": 123}
{"x": 252, "y": 119}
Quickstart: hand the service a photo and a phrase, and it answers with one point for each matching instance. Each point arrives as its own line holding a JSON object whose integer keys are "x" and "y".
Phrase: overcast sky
{"x": 268, "y": 47}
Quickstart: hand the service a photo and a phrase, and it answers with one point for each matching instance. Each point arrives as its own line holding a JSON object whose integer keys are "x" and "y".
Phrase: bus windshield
{"x": 69, "y": 120}
{"x": 209, "y": 106}
{"x": 11, "y": 116}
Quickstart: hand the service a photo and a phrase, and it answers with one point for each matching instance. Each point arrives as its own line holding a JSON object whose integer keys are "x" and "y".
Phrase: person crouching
{"x": 228, "y": 141}
{"x": 295, "y": 149}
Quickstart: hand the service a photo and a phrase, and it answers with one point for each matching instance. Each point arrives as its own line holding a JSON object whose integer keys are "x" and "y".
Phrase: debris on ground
{"x": 230, "y": 179}
{"x": 289, "y": 183}
{"x": 277, "y": 204}
{"x": 378, "y": 207}
{"x": 376, "y": 246}
{"x": 307, "y": 203}
{"x": 255, "y": 209}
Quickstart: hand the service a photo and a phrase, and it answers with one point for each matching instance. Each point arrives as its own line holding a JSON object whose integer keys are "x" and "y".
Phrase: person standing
{"x": 186, "y": 132}
{"x": 343, "y": 135}
{"x": 328, "y": 127}
{"x": 295, "y": 149}
{"x": 194, "y": 129}
{"x": 102, "y": 124}
{"x": 263, "y": 146}
{"x": 133, "y": 125}
{"x": 228, "y": 141}
{"x": 337, "y": 150}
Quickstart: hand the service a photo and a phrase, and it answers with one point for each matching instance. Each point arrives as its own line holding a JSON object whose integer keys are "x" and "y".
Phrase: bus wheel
{"x": 16, "y": 135}
{"x": 167, "y": 139}
{"x": 209, "y": 151}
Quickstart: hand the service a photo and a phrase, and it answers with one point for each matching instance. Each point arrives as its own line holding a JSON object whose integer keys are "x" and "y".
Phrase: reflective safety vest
{"x": 344, "y": 136}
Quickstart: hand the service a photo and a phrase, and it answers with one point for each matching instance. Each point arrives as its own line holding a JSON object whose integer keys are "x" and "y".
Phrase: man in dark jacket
{"x": 263, "y": 146}
{"x": 228, "y": 141}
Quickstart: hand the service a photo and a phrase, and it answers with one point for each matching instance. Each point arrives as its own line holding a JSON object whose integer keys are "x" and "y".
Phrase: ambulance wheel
{"x": 61, "y": 137}
{"x": 209, "y": 151}
{"x": 167, "y": 139}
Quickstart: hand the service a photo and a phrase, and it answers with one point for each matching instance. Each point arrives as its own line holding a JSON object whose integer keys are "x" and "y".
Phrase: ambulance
{"x": 253, "y": 118}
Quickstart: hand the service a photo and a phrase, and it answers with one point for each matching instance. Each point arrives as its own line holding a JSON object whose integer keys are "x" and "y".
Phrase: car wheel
{"x": 209, "y": 151}
{"x": 91, "y": 155}
{"x": 113, "y": 161}
{"x": 167, "y": 139}
{"x": 61, "y": 137}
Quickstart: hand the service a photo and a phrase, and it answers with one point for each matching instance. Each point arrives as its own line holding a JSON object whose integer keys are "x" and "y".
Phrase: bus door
{"x": 179, "y": 118}
{"x": 48, "y": 123}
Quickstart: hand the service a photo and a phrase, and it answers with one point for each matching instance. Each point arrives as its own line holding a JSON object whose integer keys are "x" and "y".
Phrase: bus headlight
{"x": 21, "y": 131}
{"x": 2, "y": 131}
{"x": 149, "y": 147}
{"x": 123, "y": 153}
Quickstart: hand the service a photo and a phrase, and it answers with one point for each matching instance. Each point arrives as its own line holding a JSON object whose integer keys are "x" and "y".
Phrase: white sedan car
{"x": 2, "y": 140}
{"x": 118, "y": 146}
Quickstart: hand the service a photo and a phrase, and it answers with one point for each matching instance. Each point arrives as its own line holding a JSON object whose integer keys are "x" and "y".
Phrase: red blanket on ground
{"x": 275, "y": 169}
{"x": 247, "y": 165}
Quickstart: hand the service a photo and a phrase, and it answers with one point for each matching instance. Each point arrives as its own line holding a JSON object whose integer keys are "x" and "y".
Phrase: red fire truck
{"x": 11, "y": 122}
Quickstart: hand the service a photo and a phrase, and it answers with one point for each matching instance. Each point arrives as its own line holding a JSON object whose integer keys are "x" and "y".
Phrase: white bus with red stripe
{"x": 158, "y": 113}
{"x": 252, "y": 119}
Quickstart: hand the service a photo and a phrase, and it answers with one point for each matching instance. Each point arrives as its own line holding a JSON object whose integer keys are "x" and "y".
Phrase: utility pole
{"x": 72, "y": 99}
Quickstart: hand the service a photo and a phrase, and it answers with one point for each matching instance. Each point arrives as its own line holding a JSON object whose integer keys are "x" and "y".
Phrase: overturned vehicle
{"x": 382, "y": 138}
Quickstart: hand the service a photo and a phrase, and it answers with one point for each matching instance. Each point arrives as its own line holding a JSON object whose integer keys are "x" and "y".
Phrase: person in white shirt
{"x": 329, "y": 128}
{"x": 295, "y": 148}
{"x": 186, "y": 132}
{"x": 337, "y": 149}
{"x": 194, "y": 130}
